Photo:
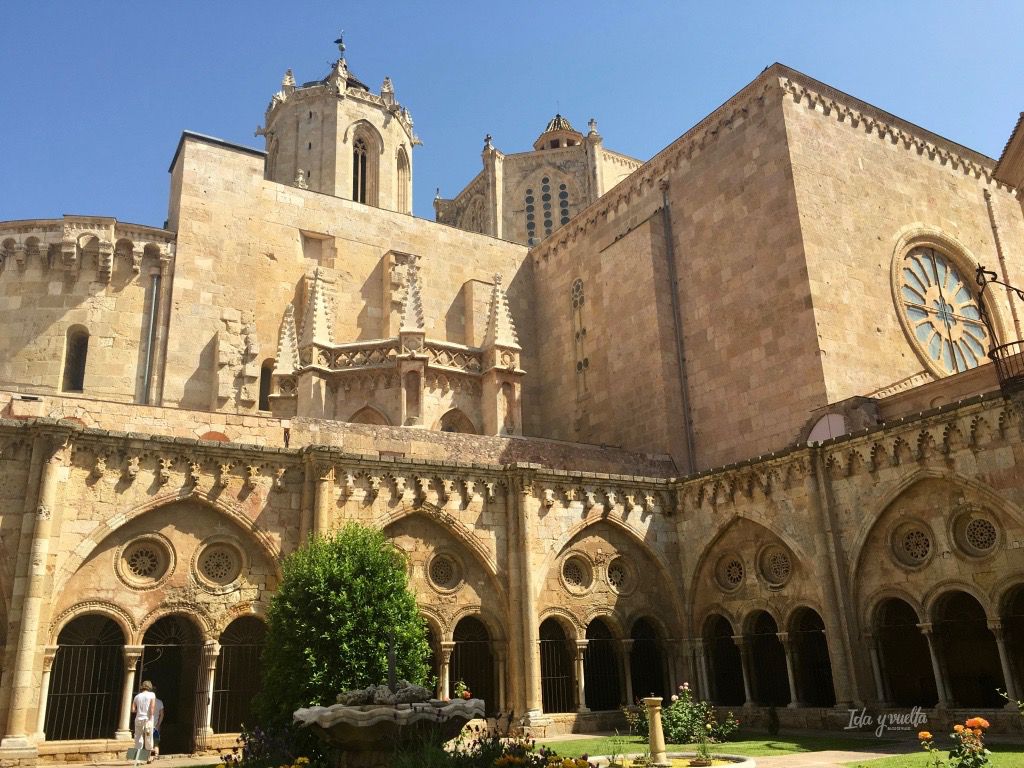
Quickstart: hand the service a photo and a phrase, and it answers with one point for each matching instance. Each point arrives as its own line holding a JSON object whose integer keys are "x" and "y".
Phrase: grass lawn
{"x": 754, "y": 747}
{"x": 1002, "y": 757}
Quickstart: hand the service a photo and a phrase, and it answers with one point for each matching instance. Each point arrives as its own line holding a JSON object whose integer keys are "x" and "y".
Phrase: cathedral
{"x": 747, "y": 414}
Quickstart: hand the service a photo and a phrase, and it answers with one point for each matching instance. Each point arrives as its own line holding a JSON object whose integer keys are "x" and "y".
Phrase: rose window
{"x": 219, "y": 564}
{"x": 776, "y": 566}
{"x": 980, "y": 534}
{"x": 942, "y": 311}
{"x": 143, "y": 561}
{"x": 730, "y": 572}
{"x": 916, "y": 545}
{"x": 576, "y": 574}
{"x": 617, "y": 576}
{"x": 443, "y": 572}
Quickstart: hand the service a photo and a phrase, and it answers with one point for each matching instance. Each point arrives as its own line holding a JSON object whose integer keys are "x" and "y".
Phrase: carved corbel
{"x": 252, "y": 474}
{"x": 612, "y": 497}
{"x": 590, "y": 499}
{"x": 471, "y": 492}
{"x": 164, "y": 473}
{"x": 100, "y": 468}
{"x": 403, "y": 490}
{"x": 490, "y": 490}
{"x": 132, "y": 467}
{"x": 19, "y": 255}
{"x": 137, "y": 254}
{"x": 650, "y": 502}
{"x": 69, "y": 254}
{"x": 194, "y": 470}
{"x": 279, "y": 474}
{"x": 374, "y": 489}
{"x": 447, "y": 486}
{"x": 105, "y": 260}
{"x": 549, "y": 497}
{"x": 224, "y": 474}
{"x": 423, "y": 483}
{"x": 348, "y": 485}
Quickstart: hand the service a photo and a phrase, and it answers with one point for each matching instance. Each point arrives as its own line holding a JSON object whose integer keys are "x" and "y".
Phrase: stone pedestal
{"x": 657, "y": 735}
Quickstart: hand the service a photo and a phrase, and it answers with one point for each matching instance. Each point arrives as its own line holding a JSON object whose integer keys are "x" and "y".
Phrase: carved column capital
{"x": 49, "y": 654}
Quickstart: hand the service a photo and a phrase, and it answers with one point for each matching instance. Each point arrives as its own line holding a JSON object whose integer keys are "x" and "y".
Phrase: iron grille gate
{"x": 473, "y": 663}
{"x": 556, "y": 676}
{"x": 602, "y": 674}
{"x": 236, "y": 684}
{"x": 85, "y": 692}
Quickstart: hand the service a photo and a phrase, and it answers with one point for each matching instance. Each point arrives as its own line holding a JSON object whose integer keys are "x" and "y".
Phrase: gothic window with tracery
{"x": 942, "y": 311}
{"x": 359, "y": 157}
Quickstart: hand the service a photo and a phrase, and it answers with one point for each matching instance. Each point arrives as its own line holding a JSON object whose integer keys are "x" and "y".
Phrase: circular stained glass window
{"x": 145, "y": 562}
{"x": 776, "y": 566}
{"x": 915, "y": 546}
{"x": 618, "y": 576}
{"x": 576, "y": 574}
{"x": 942, "y": 312}
{"x": 981, "y": 534}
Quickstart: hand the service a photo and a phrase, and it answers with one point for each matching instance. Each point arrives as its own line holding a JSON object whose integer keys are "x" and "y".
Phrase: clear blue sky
{"x": 96, "y": 94}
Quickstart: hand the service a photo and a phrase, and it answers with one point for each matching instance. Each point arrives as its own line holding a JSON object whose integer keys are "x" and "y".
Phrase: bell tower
{"x": 337, "y": 137}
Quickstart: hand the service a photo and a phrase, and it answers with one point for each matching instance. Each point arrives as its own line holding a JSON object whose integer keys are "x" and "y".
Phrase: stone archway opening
{"x": 811, "y": 661}
{"x": 172, "y": 650}
{"x": 726, "y": 668}
{"x": 647, "y": 661}
{"x": 968, "y": 652}
{"x": 557, "y": 681}
{"x": 473, "y": 661}
{"x": 237, "y": 680}
{"x": 904, "y": 657}
{"x": 86, "y": 680}
{"x": 1013, "y": 632}
{"x": 602, "y": 672}
{"x": 770, "y": 681}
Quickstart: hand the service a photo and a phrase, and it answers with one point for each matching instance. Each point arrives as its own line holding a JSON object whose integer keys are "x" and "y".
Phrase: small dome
{"x": 559, "y": 133}
{"x": 558, "y": 123}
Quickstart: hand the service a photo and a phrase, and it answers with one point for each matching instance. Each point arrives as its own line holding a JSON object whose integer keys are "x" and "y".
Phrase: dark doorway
{"x": 86, "y": 679}
{"x": 647, "y": 661}
{"x": 601, "y": 669}
{"x": 969, "y": 652}
{"x": 170, "y": 660}
{"x": 435, "y": 672}
{"x": 1013, "y": 627}
{"x": 557, "y": 681}
{"x": 810, "y": 655}
{"x": 770, "y": 682}
{"x": 725, "y": 667}
{"x": 473, "y": 662}
{"x": 237, "y": 680}
{"x": 904, "y": 656}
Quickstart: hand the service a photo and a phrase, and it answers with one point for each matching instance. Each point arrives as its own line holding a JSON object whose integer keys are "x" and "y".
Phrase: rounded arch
{"x": 987, "y": 496}
{"x": 575, "y": 630}
{"x": 435, "y": 623}
{"x": 472, "y": 660}
{"x": 234, "y": 512}
{"x": 607, "y": 617}
{"x": 711, "y": 617}
{"x": 602, "y": 664}
{"x": 903, "y": 654}
{"x": 648, "y": 666}
{"x": 968, "y": 649}
{"x": 112, "y": 611}
{"x": 770, "y": 680}
{"x": 201, "y": 624}
{"x": 935, "y": 598}
{"x": 494, "y": 625}
{"x": 369, "y": 414}
{"x": 756, "y": 614}
{"x": 85, "y": 679}
{"x": 721, "y": 662}
{"x": 875, "y": 605}
{"x": 214, "y": 436}
{"x": 76, "y": 353}
{"x": 455, "y": 420}
{"x": 237, "y": 677}
{"x": 812, "y": 661}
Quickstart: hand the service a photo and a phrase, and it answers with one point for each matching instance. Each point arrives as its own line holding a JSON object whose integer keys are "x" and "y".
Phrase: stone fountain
{"x": 368, "y": 725}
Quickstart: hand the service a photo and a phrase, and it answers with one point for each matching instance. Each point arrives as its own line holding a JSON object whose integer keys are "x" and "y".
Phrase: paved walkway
{"x": 832, "y": 758}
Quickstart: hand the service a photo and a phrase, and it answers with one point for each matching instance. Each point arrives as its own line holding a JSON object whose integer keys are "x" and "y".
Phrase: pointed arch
{"x": 369, "y": 414}
{"x": 665, "y": 573}
{"x": 455, "y": 420}
{"x": 895, "y": 492}
{"x": 403, "y": 181}
{"x": 234, "y": 512}
{"x": 367, "y": 147}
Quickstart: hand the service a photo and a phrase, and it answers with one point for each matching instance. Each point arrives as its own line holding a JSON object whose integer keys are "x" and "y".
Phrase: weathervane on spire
{"x": 340, "y": 42}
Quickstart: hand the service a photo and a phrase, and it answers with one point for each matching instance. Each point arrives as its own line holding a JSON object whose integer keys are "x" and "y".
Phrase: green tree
{"x": 341, "y": 600}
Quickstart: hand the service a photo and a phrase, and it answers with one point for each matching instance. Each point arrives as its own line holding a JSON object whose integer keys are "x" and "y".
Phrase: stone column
{"x": 627, "y": 669}
{"x": 447, "y": 648}
{"x": 132, "y": 654}
{"x": 1004, "y": 662}
{"x": 940, "y": 678}
{"x": 581, "y": 685}
{"x": 49, "y": 653}
{"x": 657, "y": 735}
{"x": 324, "y": 474}
{"x": 876, "y": 670}
{"x": 208, "y": 669}
{"x": 501, "y": 655}
{"x": 25, "y": 681}
{"x": 787, "y": 646}
{"x": 741, "y": 643}
{"x": 703, "y": 676}
{"x": 526, "y": 505}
